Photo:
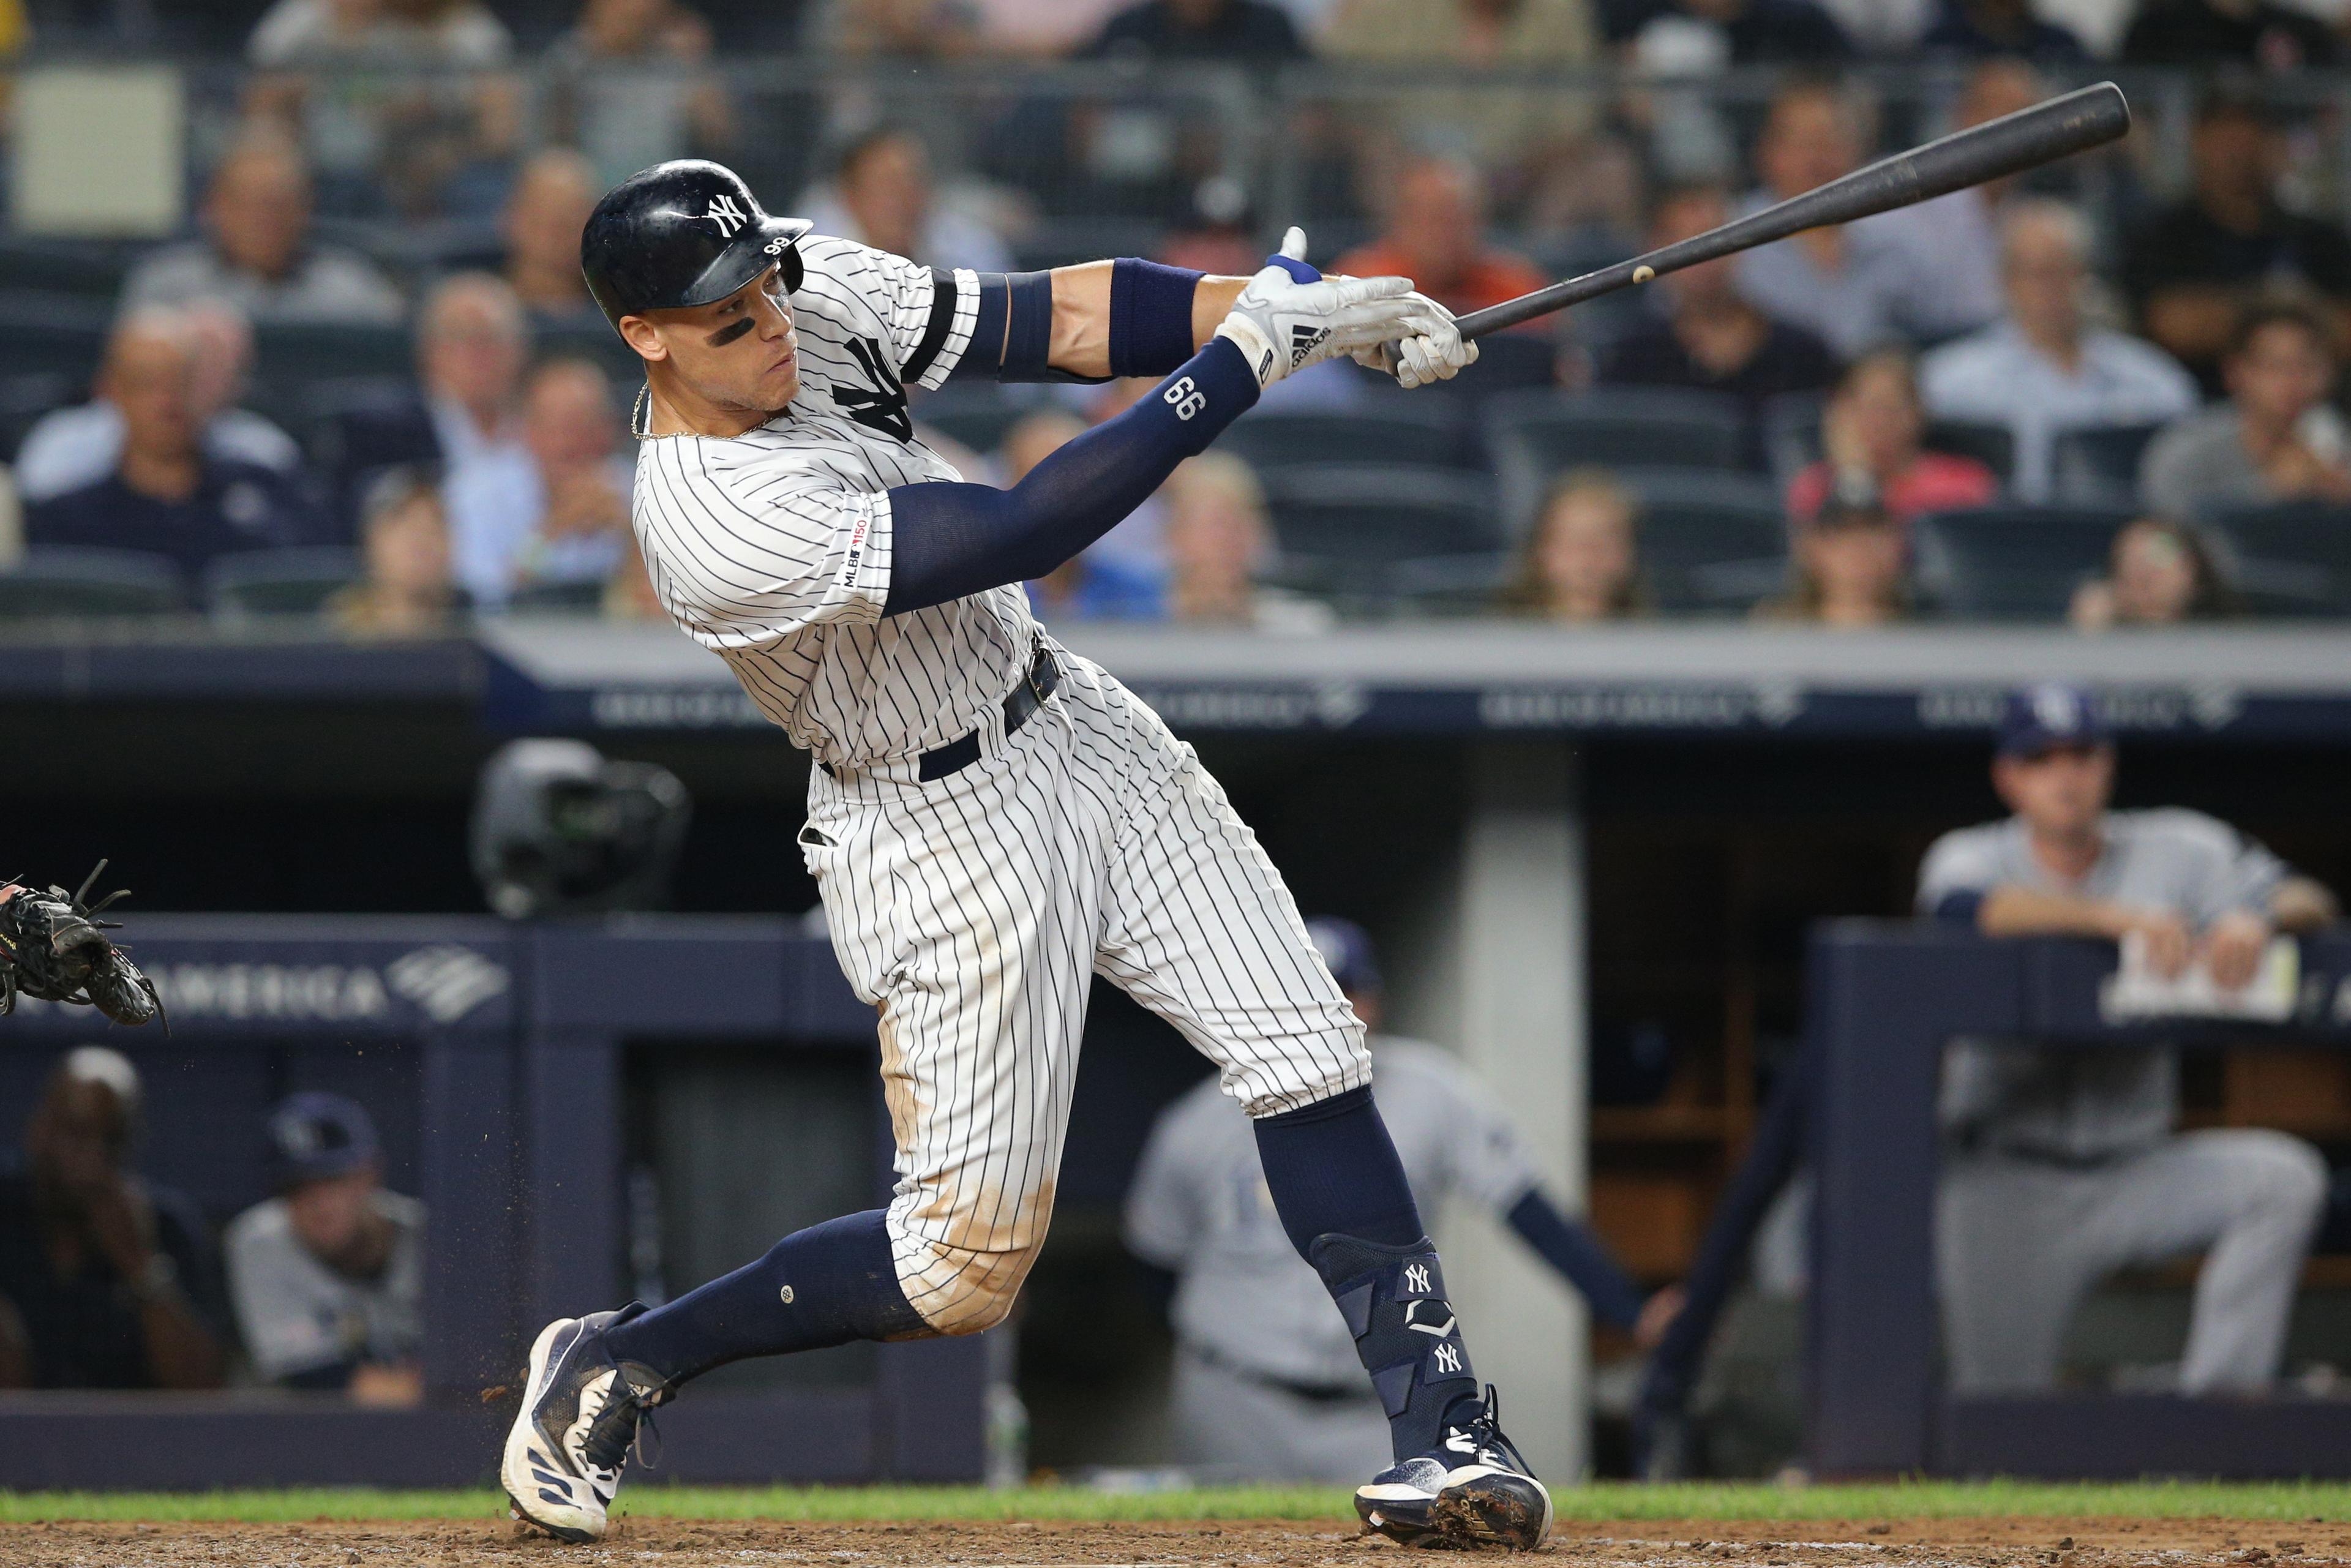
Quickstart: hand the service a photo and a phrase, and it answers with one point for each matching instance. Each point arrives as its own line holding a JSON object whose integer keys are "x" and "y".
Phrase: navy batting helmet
{"x": 683, "y": 232}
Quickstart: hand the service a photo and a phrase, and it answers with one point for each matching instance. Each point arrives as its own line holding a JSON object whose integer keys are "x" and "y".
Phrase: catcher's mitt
{"x": 52, "y": 946}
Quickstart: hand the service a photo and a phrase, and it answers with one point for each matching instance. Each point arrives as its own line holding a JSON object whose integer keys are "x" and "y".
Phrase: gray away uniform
{"x": 2060, "y": 1165}
{"x": 1268, "y": 1384}
{"x": 302, "y": 1322}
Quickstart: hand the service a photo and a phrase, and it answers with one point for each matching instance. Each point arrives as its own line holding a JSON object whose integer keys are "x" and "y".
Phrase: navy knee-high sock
{"x": 1340, "y": 1191}
{"x": 827, "y": 1285}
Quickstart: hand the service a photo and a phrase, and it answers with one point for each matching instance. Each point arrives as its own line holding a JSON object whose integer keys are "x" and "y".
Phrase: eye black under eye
{"x": 732, "y": 330}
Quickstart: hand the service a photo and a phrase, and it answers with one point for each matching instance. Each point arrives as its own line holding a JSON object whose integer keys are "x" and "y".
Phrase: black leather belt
{"x": 1020, "y": 704}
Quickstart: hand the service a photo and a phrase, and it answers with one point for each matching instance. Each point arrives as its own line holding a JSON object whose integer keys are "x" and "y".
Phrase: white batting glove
{"x": 1281, "y": 324}
{"x": 1433, "y": 351}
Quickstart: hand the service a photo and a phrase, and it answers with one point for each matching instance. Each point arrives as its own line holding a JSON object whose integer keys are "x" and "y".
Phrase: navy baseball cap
{"x": 315, "y": 1134}
{"x": 2040, "y": 719}
{"x": 1347, "y": 948}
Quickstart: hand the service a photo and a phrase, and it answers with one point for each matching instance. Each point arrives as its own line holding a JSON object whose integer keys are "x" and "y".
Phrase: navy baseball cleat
{"x": 580, "y": 1415}
{"x": 1473, "y": 1489}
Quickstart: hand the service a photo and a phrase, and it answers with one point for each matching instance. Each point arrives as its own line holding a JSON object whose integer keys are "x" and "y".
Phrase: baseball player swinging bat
{"x": 2076, "y": 122}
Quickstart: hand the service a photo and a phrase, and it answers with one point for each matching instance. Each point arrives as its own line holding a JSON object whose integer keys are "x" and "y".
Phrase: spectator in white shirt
{"x": 70, "y": 448}
{"x": 561, "y": 517}
{"x": 2045, "y": 369}
{"x": 256, "y": 251}
{"x": 1846, "y": 285}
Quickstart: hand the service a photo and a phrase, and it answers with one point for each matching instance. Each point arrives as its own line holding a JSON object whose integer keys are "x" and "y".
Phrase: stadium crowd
{"x": 368, "y": 381}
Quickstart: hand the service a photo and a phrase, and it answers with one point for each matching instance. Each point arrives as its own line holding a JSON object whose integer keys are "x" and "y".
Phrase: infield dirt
{"x": 1647, "y": 1544}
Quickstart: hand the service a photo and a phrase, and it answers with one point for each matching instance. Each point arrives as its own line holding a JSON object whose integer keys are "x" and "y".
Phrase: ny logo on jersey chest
{"x": 884, "y": 406}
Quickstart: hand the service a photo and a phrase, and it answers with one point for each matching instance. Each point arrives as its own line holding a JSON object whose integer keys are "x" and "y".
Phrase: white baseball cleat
{"x": 580, "y": 1416}
{"x": 1473, "y": 1489}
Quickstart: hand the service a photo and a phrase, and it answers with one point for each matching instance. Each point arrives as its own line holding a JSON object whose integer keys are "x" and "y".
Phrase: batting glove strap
{"x": 1282, "y": 324}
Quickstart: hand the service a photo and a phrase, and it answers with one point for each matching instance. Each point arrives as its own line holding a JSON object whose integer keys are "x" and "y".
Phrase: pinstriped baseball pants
{"x": 972, "y": 911}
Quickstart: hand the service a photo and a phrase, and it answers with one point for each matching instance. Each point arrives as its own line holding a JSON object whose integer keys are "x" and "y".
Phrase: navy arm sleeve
{"x": 952, "y": 539}
{"x": 1580, "y": 1257}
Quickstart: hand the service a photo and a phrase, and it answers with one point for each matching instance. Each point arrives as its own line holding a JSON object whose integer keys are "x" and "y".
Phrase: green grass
{"x": 2329, "y": 1501}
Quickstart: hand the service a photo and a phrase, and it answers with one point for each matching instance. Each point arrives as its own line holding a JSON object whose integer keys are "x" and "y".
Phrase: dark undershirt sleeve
{"x": 948, "y": 541}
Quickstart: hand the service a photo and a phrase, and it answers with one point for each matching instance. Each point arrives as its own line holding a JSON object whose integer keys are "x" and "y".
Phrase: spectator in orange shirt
{"x": 1435, "y": 233}
{"x": 1872, "y": 434}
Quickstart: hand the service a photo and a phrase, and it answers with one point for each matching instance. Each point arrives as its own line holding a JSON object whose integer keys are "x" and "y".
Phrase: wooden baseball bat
{"x": 2090, "y": 117}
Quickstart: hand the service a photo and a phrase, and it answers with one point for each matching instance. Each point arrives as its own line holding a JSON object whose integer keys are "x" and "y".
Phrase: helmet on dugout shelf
{"x": 558, "y": 829}
{"x": 687, "y": 232}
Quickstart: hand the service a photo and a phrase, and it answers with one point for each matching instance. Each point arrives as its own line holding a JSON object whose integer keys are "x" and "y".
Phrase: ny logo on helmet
{"x": 726, "y": 215}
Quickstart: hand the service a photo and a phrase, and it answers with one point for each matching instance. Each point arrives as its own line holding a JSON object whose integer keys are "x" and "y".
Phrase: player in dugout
{"x": 2064, "y": 1166}
{"x": 1287, "y": 1401}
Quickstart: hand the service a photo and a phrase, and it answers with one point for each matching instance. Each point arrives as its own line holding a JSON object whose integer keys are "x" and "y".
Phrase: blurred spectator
{"x": 2045, "y": 369}
{"x": 2194, "y": 266}
{"x": 329, "y": 1276}
{"x": 1848, "y": 285}
{"x": 2006, "y": 27}
{"x": 1754, "y": 32}
{"x": 630, "y": 595}
{"x": 472, "y": 343}
{"x": 545, "y": 213}
{"x": 631, "y": 85}
{"x": 1216, "y": 235}
{"x": 409, "y": 589}
{"x": 1883, "y": 27}
{"x": 2207, "y": 33}
{"x": 2275, "y": 439}
{"x": 69, "y": 448}
{"x": 1520, "y": 134}
{"x": 111, "y": 1279}
{"x": 1951, "y": 245}
{"x": 2161, "y": 574}
{"x": 935, "y": 29}
{"x": 256, "y": 253}
{"x": 2062, "y": 1165}
{"x": 1710, "y": 338}
{"x": 1042, "y": 28}
{"x": 1288, "y": 1400}
{"x": 1871, "y": 433}
{"x": 1582, "y": 559}
{"x": 404, "y": 98}
{"x": 882, "y": 195}
{"x": 1849, "y": 566}
{"x": 562, "y": 518}
{"x": 166, "y": 493}
{"x": 1218, "y": 540}
{"x": 1433, "y": 231}
{"x": 2099, "y": 23}
{"x": 1089, "y": 586}
{"x": 1232, "y": 32}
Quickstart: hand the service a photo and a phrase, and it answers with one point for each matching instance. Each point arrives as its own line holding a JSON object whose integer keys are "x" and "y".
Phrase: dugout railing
{"x": 493, "y": 1057}
{"x": 1883, "y": 1000}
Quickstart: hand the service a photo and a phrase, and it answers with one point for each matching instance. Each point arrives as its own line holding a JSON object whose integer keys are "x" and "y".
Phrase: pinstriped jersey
{"x": 773, "y": 547}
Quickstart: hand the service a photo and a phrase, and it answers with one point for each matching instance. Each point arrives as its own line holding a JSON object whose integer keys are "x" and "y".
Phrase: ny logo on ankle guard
{"x": 1416, "y": 1278}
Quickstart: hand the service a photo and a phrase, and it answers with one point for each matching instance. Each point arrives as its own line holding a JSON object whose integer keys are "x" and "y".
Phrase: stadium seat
{"x": 92, "y": 269}
{"x": 51, "y": 335}
{"x": 1993, "y": 446}
{"x": 2293, "y": 559}
{"x": 2098, "y": 465}
{"x": 277, "y": 581}
{"x": 1536, "y": 436}
{"x": 58, "y": 581}
{"x": 1710, "y": 543}
{"x": 559, "y": 599}
{"x": 1431, "y": 434}
{"x": 1343, "y": 529}
{"x": 24, "y": 399}
{"x": 2010, "y": 563}
{"x": 292, "y": 354}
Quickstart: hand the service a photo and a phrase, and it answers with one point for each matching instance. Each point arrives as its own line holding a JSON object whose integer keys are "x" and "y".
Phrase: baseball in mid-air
{"x": 1643, "y": 273}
